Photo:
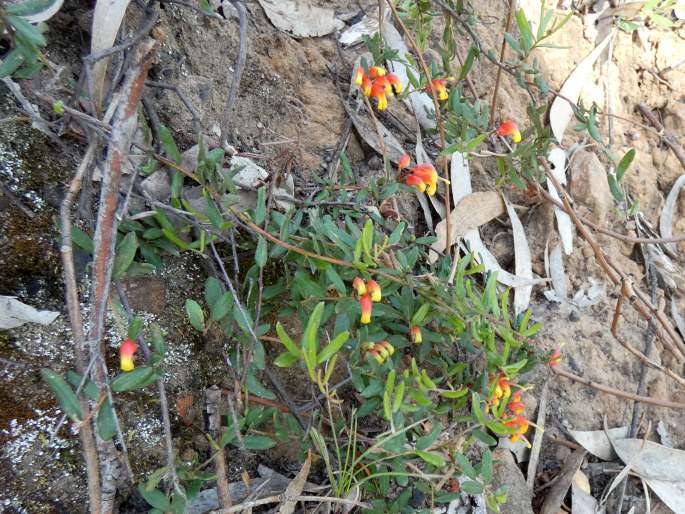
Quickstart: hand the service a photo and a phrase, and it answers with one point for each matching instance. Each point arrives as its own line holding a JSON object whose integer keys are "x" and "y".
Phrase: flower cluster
{"x": 126, "y": 351}
{"x": 368, "y": 293}
{"x": 520, "y": 424}
{"x": 378, "y": 83}
{"x": 422, "y": 176}
{"x": 511, "y": 415}
{"x": 509, "y": 129}
{"x": 379, "y": 351}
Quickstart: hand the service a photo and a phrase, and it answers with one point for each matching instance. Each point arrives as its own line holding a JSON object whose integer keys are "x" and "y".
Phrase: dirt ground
{"x": 289, "y": 113}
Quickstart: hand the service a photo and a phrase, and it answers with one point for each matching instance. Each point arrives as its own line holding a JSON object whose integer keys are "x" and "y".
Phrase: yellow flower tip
{"x": 376, "y": 71}
{"x": 359, "y": 286}
{"x": 431, "y": 189}
{"x": 127, "y": 364}
{"x": 509, "y": 129}
{"x": 416, "y": 334}
{"x": 374, "y": 290}
{"x": 359, "y": 76}
{"x": 516, "y": 136}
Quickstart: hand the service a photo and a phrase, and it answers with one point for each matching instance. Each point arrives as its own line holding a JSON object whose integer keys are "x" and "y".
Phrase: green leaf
{"x": 425, "y": 441}
{"x": 453, "y": 395}
{"x": 89, "y": 387}
{"x": 524, "y": 29}
{"x": 136, "y": 379}
{"x": 466, "y": 466}
{"x": 616, "y": 191}
{"x": 213, "y": 291}
{"x": 332, "y": 347}
{"x": 367, "y": 237}
{"x": 472, "y": 487}
{"x": 486, "y": 466}
{"x": 221, "y": 307}
{"x": 287, "y": 341}
{"x": 105, "y": 422}
{"x": 624, "y": 163}
{"x": 27, "y": 31}
{"x": 260, "y": 209}
{"x": 420, "y": 314}
{"x": 195, "y": 315}
{"x": 30, "y": 8}
{"x": 335, "y": 279}
{"x": 169, "y": 145}
{"x": 155, "y": 498}
{"x": 126, "y": 252}
{"x": 261, "y": 252}
{"x": 310, "y": 337}
{"x": 66, "y": 398}
{"x": 258, "y": 442}
{"x": 285, "y": 360}
{"x": 484, "y": 437}
{"x": 242, "y": 318}
{"x": 255, "y": 387}
{"x": 432, "y": 458}
{"x": 134, "y": 327}
{"x": 213, "y": 214}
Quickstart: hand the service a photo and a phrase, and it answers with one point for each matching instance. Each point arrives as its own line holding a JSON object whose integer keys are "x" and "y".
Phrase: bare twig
{"x": 617, "y": 392}
{"x": 214, "y": 410}
{"x": 197, "y": 119}
{"x": 123, "y": 126}
{"x": 668, "y": 138}
{"x": 280, "y": 498}
{"x": 502, "y": 53}
{"x": 237, "y": 71}
{"x": 76, "y": 319}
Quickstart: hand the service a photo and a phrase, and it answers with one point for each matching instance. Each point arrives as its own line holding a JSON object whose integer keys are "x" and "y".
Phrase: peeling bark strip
{"x": 123, "y": 126}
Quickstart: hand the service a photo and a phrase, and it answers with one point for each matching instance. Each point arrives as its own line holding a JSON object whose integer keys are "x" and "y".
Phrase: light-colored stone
{"x": 157, "y": 185}
{"x": 507, "y": 473}
{"x": 589, "y": 185}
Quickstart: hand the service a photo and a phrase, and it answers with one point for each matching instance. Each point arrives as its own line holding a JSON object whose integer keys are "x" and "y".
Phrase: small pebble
{"x": 574, "y": 316}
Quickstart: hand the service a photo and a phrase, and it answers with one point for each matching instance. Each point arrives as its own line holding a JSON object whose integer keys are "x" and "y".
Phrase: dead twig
{"x": 197, "y": 119}
{"x": 280, "y": 498}
{"x": 237, "y": 71}
{"x": 76, "y": 319}
{"x": 124, "y": 124}
{"x": 502, "y": 54}
{"x": 214, "y": 410}
{"x": 667, "y": 137}
{"x": 617, "y": 392}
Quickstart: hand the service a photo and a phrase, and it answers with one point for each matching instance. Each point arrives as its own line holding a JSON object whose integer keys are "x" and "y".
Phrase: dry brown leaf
{"x": 471, "y": 212}
{"x": 295, "y": 487}
{"x": 184, "y": 406}
{"x": 300, "y": 18}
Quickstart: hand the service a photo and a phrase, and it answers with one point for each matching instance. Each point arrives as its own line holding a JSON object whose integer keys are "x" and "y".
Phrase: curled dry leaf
{"x": 557, "y": 159}
{"x": 523, "y": 265}
{"x": 597, "y": 442}
{"x": 300, "y": 18}
{"x": 666, "y": 219}
{"x": 420, "y": 101}
{"x": 14, "y": 313}
{"x": 560, "y": 113}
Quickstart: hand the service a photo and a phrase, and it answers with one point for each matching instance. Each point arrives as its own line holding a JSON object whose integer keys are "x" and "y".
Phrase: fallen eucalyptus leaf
{"x": 556, "y": 494}
{"x": 300, "y": 18}
{"x": 523, "y": 265}
{"x": 554, "y": 266}
{"x": 367, "y": 26}
{"x": 419, "y": 101}
{"x": 14, "y": 313}
{"x": 597, "y": 443}
{"x": 560, "y": 113}
{"x": 664, "y": 434}
{"x": 652, "y": 460}
{"x": 666, "y": 219}
{"x": 557, "y": 159}
{"x": 671, "y": 493}
{"x": 107, "y": 19}
{"x": 296, "y": 487}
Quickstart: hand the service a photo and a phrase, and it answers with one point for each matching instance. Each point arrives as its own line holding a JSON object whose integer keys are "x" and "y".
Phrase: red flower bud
{"x": 509, "y": 128}
{"x": 359, "y": 286}
{"x": 366, "y": 304}
{"x": 374, "y": 290}
{"x": 126, "y": 351}
{"x": 416, "y": 334}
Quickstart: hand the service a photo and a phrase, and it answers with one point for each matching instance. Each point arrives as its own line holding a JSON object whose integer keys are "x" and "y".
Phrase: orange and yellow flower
{"x": 555, "y": 358}
{"x": 366, "y": 305}
{"x": 379, "y": 351}
{"x": 416, "y": 334}
{"x": 378, "y": 84}
{"x": 520, "y": 424}
{"x": 403, "y": 162}
{"x": 440, "y": 87}
{"x": 509, "y": 129}
{"x": 126, "y": 351}
{"x": 516, "y": 405}
{"x": 359, "y": 286}
{"x": 374, "y": 290}
{"x": 424, "y": 178}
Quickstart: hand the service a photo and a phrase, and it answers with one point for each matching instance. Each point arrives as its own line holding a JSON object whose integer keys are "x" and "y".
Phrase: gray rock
{"x": 506, "y": 472}
{"x": 157, "y": 185}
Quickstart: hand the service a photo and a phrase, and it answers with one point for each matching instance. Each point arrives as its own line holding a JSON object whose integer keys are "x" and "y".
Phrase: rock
{"x": 590, "y": 187}
{"x": 146, "y": 293}
{"x": 506, "y": 472}
{"x": 157, "y": 185}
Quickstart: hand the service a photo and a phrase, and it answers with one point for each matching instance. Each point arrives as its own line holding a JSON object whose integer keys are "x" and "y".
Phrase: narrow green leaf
{"x": 486, "y": 466}
{"x": 261, "y": 252}
{"x": 65, "y": 395}
{"x": 432, "y": 458}
{"x": 420, "y": 314}
{"x": 472, "y": 487}
{"x": 287, "y": 341}
{"x": 213, "y": 291}
{"x": 126, "y": 252}
{"x": 615, "y": 189}
{"x": 105, "y": 422}
{"x": 484, "y": 437}
{"x": 260, "y": 209}
{"x": 255, "y": 387}
{"x": 285, "y": 360}
{"x": 169, "y": 145}
{"x": 195, "y": 315}
{"x": 136, "y": 379}
{"x": 335, "y": 279}
{"x": 310, "y": 337}
{"x": 466, "y": 466}
{"x": 155, "y": 498}
{"x": 399, "y": 396}
{"x": 333, "y": 347}
{"x": 624, "y": 164}
{"x": 258, "y": 442}
{"x": 27, "y": 31}
{"x": 367, "y": 237}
